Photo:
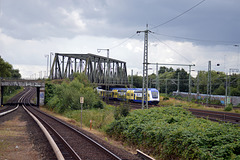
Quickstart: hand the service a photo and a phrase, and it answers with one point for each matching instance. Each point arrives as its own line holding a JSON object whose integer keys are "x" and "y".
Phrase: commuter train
{"x": 130, "y": 94}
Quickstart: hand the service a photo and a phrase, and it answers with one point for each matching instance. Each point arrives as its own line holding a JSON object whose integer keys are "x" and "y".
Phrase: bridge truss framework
{"x": 100, "y": 70}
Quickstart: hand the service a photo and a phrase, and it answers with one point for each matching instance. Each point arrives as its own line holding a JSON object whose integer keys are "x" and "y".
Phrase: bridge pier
{"x": 40, "y": 96}
{"x": 40, "y": 85}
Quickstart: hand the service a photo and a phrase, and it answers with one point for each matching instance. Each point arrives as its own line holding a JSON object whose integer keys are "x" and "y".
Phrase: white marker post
{"x": 81, "y": 102}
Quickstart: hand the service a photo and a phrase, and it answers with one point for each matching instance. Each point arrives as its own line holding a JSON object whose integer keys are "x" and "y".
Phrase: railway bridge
{"x": 40, "y": 86}
{"x": 103, "y": 71}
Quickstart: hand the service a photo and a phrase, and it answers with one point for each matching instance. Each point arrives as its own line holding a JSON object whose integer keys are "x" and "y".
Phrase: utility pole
{"x": 132, "y": 78}
{"x": 189, "y": 84}
{"x": 209, "y": 82}
{"x": 157, "y": 78}
{"x": 198, "y": 84}
{"x": 145, "y": 69}
{"x": 178, "y": 90}
{"x": 226, "y": 90}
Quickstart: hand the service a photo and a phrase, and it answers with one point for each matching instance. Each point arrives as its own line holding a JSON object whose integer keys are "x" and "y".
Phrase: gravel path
{"x": 22, "y": 139}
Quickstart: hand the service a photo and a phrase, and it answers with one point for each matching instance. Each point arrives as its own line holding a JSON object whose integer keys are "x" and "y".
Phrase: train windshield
{"x": 154, "y": 94}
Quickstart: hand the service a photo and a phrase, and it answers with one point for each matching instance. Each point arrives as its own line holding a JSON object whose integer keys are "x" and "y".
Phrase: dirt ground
{"x": 21, "y": 139}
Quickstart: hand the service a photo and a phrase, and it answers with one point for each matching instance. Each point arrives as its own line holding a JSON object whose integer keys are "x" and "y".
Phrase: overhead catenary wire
{"x": 178, "y": 15}
{"x": 123, "y": 41}
{"x": 170, "y": 48}
{"x": 198, "y": 40}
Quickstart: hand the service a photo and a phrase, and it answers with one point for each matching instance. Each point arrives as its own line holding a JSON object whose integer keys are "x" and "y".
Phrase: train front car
{"x": 153, "y": 96}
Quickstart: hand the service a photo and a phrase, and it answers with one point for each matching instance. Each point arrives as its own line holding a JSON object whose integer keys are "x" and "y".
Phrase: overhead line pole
{"x": 145, "y": 69}
{"x": 189, "y": 65}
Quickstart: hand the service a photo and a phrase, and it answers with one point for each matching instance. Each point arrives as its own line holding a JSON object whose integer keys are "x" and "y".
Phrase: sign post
{"x": 81, "y": 102}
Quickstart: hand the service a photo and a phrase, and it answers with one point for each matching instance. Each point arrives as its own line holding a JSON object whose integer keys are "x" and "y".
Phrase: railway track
{"x": 72, "y": 143}
{"x": 216, "y": 115}
{"x": 12, "y": 104}
{"x": 211, "y": 115}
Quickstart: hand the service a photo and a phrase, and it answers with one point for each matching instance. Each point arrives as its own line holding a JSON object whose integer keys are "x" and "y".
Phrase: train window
{"x": 131, "y": 94}
{"x": 154, "y": 94}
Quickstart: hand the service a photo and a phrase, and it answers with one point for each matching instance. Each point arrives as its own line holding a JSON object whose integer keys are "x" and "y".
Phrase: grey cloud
{"x": 212, "y": 20}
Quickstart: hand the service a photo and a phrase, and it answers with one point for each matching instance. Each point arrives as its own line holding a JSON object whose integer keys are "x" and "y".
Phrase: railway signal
{"x": 81, "y": 102}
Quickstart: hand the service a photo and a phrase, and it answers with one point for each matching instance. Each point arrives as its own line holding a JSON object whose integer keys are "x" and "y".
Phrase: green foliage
{"x": 167, "y": 75}
{"x": 229, "y": 107}
{"x": 235, "y": 91}
{"x": 173, "y": 133}
{"x": 137, "y": 81}
{"x": 219, "y": 91}
{"x": 99, "y": 104}
{"x": 10, "y": 92}
{"x": 66, "y": 95}
{"x": 121, "y": 111}
{"x": 100, "y": 117}
{"x": 165, "y": 98}
{"x": 6, "y": 70}
{"x": 49, "y": 91}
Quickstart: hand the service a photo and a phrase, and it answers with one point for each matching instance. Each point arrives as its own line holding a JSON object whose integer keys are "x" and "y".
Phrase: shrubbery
{"x": 66, "y": 95}
{"x": 229, "y": 107}
{"x": 173, "y": 133}
{"x": 121, "y": 111}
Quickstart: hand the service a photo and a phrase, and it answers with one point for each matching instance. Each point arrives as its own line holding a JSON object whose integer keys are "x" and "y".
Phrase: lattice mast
{"x": 145, "y": 69}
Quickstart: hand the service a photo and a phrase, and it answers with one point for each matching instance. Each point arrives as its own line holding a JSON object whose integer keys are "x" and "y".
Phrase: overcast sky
{"x": 183, "y": 32}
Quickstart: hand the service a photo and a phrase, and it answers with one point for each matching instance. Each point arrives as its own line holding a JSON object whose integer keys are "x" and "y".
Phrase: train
{"x": 130, "y": 94}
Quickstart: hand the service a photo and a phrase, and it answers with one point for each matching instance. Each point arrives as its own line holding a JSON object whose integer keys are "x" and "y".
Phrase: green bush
{"x": 121, "y": 111}
{"x": 66, "y": 95}
{"x": 173, "y": 133}
{"x": 229, "y": 107}
{"x": 99, "y": 104}
{"x": 165, "y": 98}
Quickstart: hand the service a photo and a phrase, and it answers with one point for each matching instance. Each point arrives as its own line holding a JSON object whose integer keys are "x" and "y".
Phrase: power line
{"x": 195, "y": 39}
{"x": 124, "y": 41}
{"x": 178, "y": 15}
{"x": 171, "y": 48}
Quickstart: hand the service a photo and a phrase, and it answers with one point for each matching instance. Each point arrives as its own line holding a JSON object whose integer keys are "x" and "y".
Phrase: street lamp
{"x": 237, "y": 45}
{"x": 108, "y": 64}
{"x": 47, "y": 62}
{"x": 108, "y": 68}
{"x": 51, "y": 53}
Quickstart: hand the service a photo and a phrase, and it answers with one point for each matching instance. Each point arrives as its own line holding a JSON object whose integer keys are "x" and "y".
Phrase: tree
{"x": 137, "y": 81}
{"x": 5, "y": 68}
{"x": 7, "y": 71}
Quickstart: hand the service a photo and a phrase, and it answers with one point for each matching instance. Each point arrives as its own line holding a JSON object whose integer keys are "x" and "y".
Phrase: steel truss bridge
{"x": 100, "y": 70}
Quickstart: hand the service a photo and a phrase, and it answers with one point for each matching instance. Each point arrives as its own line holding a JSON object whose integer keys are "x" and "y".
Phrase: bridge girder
{"x": 95, "y": 67}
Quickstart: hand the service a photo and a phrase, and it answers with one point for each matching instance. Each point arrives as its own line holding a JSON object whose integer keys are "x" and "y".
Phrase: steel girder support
{"x": 93, "y": 66}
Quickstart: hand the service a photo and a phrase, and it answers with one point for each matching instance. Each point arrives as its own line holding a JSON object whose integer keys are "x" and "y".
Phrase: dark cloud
{"x": 212, "y": 20}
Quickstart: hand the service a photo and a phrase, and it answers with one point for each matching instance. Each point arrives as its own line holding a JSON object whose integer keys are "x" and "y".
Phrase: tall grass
{"x": 100, "y": 117}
